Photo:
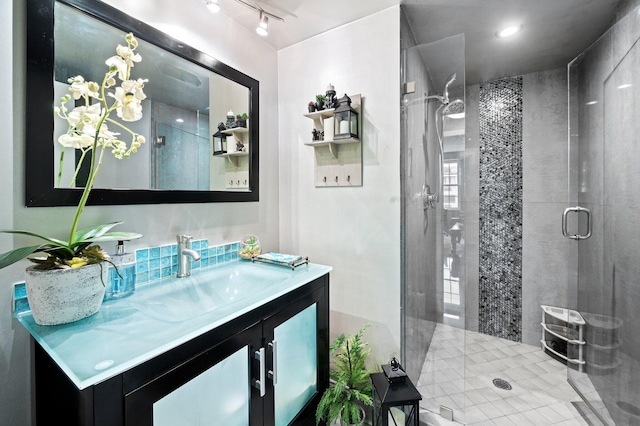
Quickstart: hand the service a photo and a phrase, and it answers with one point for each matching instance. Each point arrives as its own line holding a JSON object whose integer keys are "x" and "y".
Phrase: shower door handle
{"x": 576, "y": 209}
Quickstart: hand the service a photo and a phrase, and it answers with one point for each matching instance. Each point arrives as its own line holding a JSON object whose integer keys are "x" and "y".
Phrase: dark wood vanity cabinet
{"x": 204, "y": 370}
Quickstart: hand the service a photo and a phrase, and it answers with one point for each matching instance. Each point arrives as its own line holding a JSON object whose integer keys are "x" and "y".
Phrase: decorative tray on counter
{"x": 289, "y": 260}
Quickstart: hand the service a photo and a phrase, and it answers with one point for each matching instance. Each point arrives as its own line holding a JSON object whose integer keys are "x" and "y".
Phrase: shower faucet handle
{"x": 429, "y": 198}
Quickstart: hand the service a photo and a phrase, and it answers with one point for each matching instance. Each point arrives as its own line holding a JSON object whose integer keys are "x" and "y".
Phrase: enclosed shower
{"x": 488, "y": 169}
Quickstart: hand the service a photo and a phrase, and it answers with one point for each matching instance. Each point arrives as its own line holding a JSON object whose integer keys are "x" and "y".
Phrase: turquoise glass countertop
{"x": 162, "y": 315}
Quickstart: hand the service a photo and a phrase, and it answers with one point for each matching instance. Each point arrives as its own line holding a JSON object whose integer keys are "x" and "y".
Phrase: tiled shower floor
{"x": 540, "y": 393}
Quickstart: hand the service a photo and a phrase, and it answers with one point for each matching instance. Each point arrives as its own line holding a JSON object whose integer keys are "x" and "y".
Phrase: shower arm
{"x": 438, "y": 97}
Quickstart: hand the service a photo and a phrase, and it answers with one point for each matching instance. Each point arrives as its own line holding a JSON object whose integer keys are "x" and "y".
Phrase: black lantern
{"x": 220, "y": 140}
{"x": 345, "y": 123}
{"x": 394, "y": 404}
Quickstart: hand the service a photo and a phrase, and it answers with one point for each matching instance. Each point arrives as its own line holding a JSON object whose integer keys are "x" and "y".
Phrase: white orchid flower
{"x": 129, "y": 97}
{"x": 117, "y": 64}
{"x": 85, "y": 114}
{"x": 76, "y": 141}
{"x": 128, "y": 55}
{"x": 125, "y": 59}
{"x": 83, "y": 121}
{"x": 88, "y": 123}
{"x": 81, "y": 88}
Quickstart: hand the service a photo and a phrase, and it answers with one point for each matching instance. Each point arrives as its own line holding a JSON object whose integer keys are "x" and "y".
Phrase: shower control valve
{"x": 429, "y": 198}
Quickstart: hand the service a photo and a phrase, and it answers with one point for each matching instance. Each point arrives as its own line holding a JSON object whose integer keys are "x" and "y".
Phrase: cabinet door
{"x": 295, "y": 344}
{"x": 214, "y": 387}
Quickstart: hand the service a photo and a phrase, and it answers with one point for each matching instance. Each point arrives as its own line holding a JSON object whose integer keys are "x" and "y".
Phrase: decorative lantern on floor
{"x": 220, "y": 140}
{"x": 345, "y": 123}
{"x": 394, "y": 404}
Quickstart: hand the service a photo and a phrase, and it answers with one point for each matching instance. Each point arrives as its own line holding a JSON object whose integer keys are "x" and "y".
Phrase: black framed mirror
{"x": 188, "y": 94}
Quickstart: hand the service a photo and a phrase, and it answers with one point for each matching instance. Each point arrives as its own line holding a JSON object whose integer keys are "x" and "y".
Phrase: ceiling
{"x": 553, "y": 31}
{"x": 302, "y": 18}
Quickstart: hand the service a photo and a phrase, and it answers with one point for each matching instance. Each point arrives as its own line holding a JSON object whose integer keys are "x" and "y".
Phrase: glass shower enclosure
{"x": 604, "y": 105}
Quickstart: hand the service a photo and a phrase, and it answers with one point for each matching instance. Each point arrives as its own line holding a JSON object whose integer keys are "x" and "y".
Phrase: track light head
{"x": 263, "y": 25}
{"x": 213, "y": 5}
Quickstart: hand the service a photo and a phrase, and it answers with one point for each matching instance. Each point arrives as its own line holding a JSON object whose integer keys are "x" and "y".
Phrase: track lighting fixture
{"x": 263, "y": 26}
{"x": 212, "y": 5}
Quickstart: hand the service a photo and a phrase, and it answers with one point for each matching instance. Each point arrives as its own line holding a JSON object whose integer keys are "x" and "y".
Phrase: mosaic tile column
{"x": 500, "y": 284}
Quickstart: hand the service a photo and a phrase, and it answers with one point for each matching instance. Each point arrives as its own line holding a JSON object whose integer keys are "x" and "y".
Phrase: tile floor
{"x": 540, "y": 393}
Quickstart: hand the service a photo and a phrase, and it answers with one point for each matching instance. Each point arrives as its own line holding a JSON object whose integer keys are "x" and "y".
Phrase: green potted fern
{"x": 350, "y": 387}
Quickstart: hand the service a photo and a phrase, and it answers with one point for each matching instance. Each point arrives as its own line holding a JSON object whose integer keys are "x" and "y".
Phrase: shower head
{"x": 454, "y": 107}
{"x": 445, "y": 92}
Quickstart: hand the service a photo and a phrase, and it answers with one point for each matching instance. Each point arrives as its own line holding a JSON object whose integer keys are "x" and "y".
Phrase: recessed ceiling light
{"x": 179, "y": 120}
{"x": 508, "y": 31}
{"x": 624, "y": 86}
{"x": 591, "y": 103}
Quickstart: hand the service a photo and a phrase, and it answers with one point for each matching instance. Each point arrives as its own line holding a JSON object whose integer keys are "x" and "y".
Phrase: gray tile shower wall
{"x": 545, "y": 252}
{"x": 500, "y": 284}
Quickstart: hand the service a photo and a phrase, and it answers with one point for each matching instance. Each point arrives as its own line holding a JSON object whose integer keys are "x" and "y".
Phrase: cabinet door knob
{"x": 273, "y": 374}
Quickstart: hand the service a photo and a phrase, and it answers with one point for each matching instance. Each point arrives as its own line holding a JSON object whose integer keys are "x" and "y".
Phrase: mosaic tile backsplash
{"x": 158, "y": 262}
{"x": 500, "y": 285}
{"x": 154, "y": 263}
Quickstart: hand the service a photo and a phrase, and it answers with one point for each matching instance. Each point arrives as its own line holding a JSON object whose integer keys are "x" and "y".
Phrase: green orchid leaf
{"x": 115, "y": 236}
{"x": 14, "y": 256}
{"x": 54, "y": 241}
{"x": 87, "y": 234}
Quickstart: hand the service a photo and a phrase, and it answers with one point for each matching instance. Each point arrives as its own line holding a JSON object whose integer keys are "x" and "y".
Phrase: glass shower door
{"x": 604, "y": 95}
{"x": 434, "y": 215}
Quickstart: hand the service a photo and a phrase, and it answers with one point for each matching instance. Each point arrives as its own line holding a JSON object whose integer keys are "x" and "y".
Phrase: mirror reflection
{"x": 185, "y": 105}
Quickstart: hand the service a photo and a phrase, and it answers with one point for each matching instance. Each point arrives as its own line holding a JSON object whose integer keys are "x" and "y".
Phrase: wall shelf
{"x": 236, "y": 169}
{"x": 333, "y": 145}
{"x": 233, "y": 156}
{"x": 337, "y": 162}
{"x": 319, "y": 116}
{"x": 242, "y": 131}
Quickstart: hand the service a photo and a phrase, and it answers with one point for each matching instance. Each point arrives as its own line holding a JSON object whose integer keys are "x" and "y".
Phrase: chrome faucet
{"x": 184, "y": 253}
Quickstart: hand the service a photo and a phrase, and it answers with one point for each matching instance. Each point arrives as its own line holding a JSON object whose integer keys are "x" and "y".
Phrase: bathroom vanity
{"x": 237, "y": 344}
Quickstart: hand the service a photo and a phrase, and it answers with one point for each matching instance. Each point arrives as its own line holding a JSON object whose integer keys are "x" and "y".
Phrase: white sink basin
{"x": 178, "y": 299}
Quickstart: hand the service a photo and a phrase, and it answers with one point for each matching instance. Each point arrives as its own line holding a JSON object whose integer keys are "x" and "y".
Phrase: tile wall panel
{"x": 500, "y": 284}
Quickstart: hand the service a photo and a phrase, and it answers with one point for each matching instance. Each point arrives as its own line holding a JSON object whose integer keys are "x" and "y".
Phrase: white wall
{"x": 215, "y": 35}
{"x": 354, "y": 230}
{"x": 14, "y": 342}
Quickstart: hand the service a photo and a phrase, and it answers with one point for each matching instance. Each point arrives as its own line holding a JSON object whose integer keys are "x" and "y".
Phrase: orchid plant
{"x": 88, "y": 132}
